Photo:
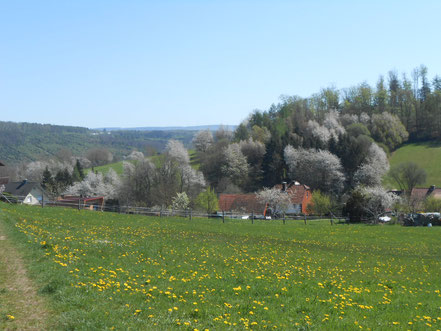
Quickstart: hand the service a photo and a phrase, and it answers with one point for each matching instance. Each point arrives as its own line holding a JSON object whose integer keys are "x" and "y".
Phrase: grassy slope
{"x": 20, "y": 306}
{"x": 103, "y": 270}
{"x": 118, "y": 166}
{"x": 427, "y": 155}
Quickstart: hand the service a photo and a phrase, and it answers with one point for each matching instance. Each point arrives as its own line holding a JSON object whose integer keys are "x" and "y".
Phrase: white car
{"x": 384, "y": 218}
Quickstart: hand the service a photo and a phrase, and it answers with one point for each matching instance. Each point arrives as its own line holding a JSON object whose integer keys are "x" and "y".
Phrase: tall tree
{"x": 408, "y": 175}
{"x": 207, "y": 201}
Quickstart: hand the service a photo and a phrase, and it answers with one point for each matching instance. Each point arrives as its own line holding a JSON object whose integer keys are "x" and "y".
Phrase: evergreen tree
{"x": 63, "y": 180}
{"x": 47, "y": 182}
{"x": 78, "y": 173}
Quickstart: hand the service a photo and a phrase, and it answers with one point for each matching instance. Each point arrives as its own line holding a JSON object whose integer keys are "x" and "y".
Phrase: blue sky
{"x": 167, "y": 63}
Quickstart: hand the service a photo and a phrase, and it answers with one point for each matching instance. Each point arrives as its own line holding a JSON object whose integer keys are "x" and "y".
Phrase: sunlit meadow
{"x": 110, "y": 271}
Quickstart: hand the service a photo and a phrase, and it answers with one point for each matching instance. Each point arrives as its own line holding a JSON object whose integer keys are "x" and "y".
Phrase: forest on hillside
{"x": 336, "y": 142}
{"x": 25, "y": 142}
{"x": 396, "y": 110}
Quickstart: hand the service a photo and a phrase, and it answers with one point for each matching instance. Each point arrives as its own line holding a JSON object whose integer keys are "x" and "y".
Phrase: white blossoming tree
{"x": 316, "y": 168}
{"x": 278, "y": 202}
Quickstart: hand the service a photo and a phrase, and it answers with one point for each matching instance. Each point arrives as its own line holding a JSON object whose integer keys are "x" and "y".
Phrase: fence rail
{"x": 188, "y": 213}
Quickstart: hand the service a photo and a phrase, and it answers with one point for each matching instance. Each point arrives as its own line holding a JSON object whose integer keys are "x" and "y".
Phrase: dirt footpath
{"x": 21, "y": 308}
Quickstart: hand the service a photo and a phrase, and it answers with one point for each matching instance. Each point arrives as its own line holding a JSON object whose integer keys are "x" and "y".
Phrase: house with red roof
{"x": 300, "y": 196}
{"x": 92, "y": 203}
{"x": 418, "y": 195}
{"x": 242, "y": 203}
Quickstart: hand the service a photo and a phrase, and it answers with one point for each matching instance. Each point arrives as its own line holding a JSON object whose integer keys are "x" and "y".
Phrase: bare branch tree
{"x": 278, "y": 202}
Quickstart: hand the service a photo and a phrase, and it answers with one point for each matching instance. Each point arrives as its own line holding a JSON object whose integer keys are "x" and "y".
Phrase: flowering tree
{"x": 331, "y": 127}
{"x": 203, "y": 140}
{"x": 377, "y": 200}
{"x": 373, "y": 168}
{"x": 236, "y": 166}
{"x": 146, "y": 183}
{"x": 316, "y": 168}
{"x": 97, "y": 185}
{"x": 138, "y": 182}
{"x": 34, "y": 170}
{"x": 278, "y": 201}
{"x": 318, "y": 131}
{"x": 135, "y": 155}
{"x": 180, "y": 201}
{"x": 176, "y": 151}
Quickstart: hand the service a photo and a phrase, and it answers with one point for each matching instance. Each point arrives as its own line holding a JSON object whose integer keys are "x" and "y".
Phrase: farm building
{"x": 421, "y": 194}
{"x": 92, "y": 203}
{"x": 30, "y": 193}
{"x": 3, "y": 178}
{"x": 242, "y": 203}
{"x": 300, "y": 194}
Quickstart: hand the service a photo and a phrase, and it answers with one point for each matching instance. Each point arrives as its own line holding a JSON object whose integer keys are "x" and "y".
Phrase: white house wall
{"x": 31, "y": 200}
{"x": 294, "y": 209}
{"x": 35, "y": 197}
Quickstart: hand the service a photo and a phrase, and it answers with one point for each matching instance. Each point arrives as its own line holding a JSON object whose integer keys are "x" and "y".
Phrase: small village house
{"x": 419, "y": 195}
{"x": 242, "y": 204}
{"x": 300, "y": 194}
{"x": 3, "y": 179}
{"x": 300, "y": 197}
{"x": 30, "y": 193}
{"x": 92, "y": 203}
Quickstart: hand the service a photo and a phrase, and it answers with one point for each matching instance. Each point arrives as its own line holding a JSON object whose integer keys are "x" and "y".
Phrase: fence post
{"x": 283, "y": 218}
{"x": 191, "y": 214}
{"x": 42, "y": 200}
{"x": 305, "y": 219}
{"x": 79, "y": 204}
{"x": 252, "y": 217}
{"x": 223, "y": 216}
{"x": 332, "y": 221}
{"x": 160, "y": 213}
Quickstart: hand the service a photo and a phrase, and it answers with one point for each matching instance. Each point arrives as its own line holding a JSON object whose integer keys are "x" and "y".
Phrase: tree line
{"x": 336, "y": 142}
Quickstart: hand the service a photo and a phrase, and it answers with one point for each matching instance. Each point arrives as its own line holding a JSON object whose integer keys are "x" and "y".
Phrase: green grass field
{"x": 118, "y": 166}
{"x": 107, "y": 271}
{"x": 426, "y": 155}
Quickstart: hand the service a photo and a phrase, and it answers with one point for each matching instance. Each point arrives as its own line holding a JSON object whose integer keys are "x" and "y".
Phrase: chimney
{"x": 22, "y": 183}
{"x": 283, "y": 186}
{"x": 431, "y": 189}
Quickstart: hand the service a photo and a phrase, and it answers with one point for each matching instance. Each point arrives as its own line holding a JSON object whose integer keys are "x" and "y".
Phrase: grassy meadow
{"x": 427, "y": 155}
{"x": 117, "y": 272}
{"x": 116, "y": 166}
{"x": 119, "y": 169}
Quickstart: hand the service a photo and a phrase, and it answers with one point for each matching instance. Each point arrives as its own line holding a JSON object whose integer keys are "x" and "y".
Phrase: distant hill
{"x": 173, "y": 128}
{"x": 427, "y": 155}
{"x": 30, "y": 141}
